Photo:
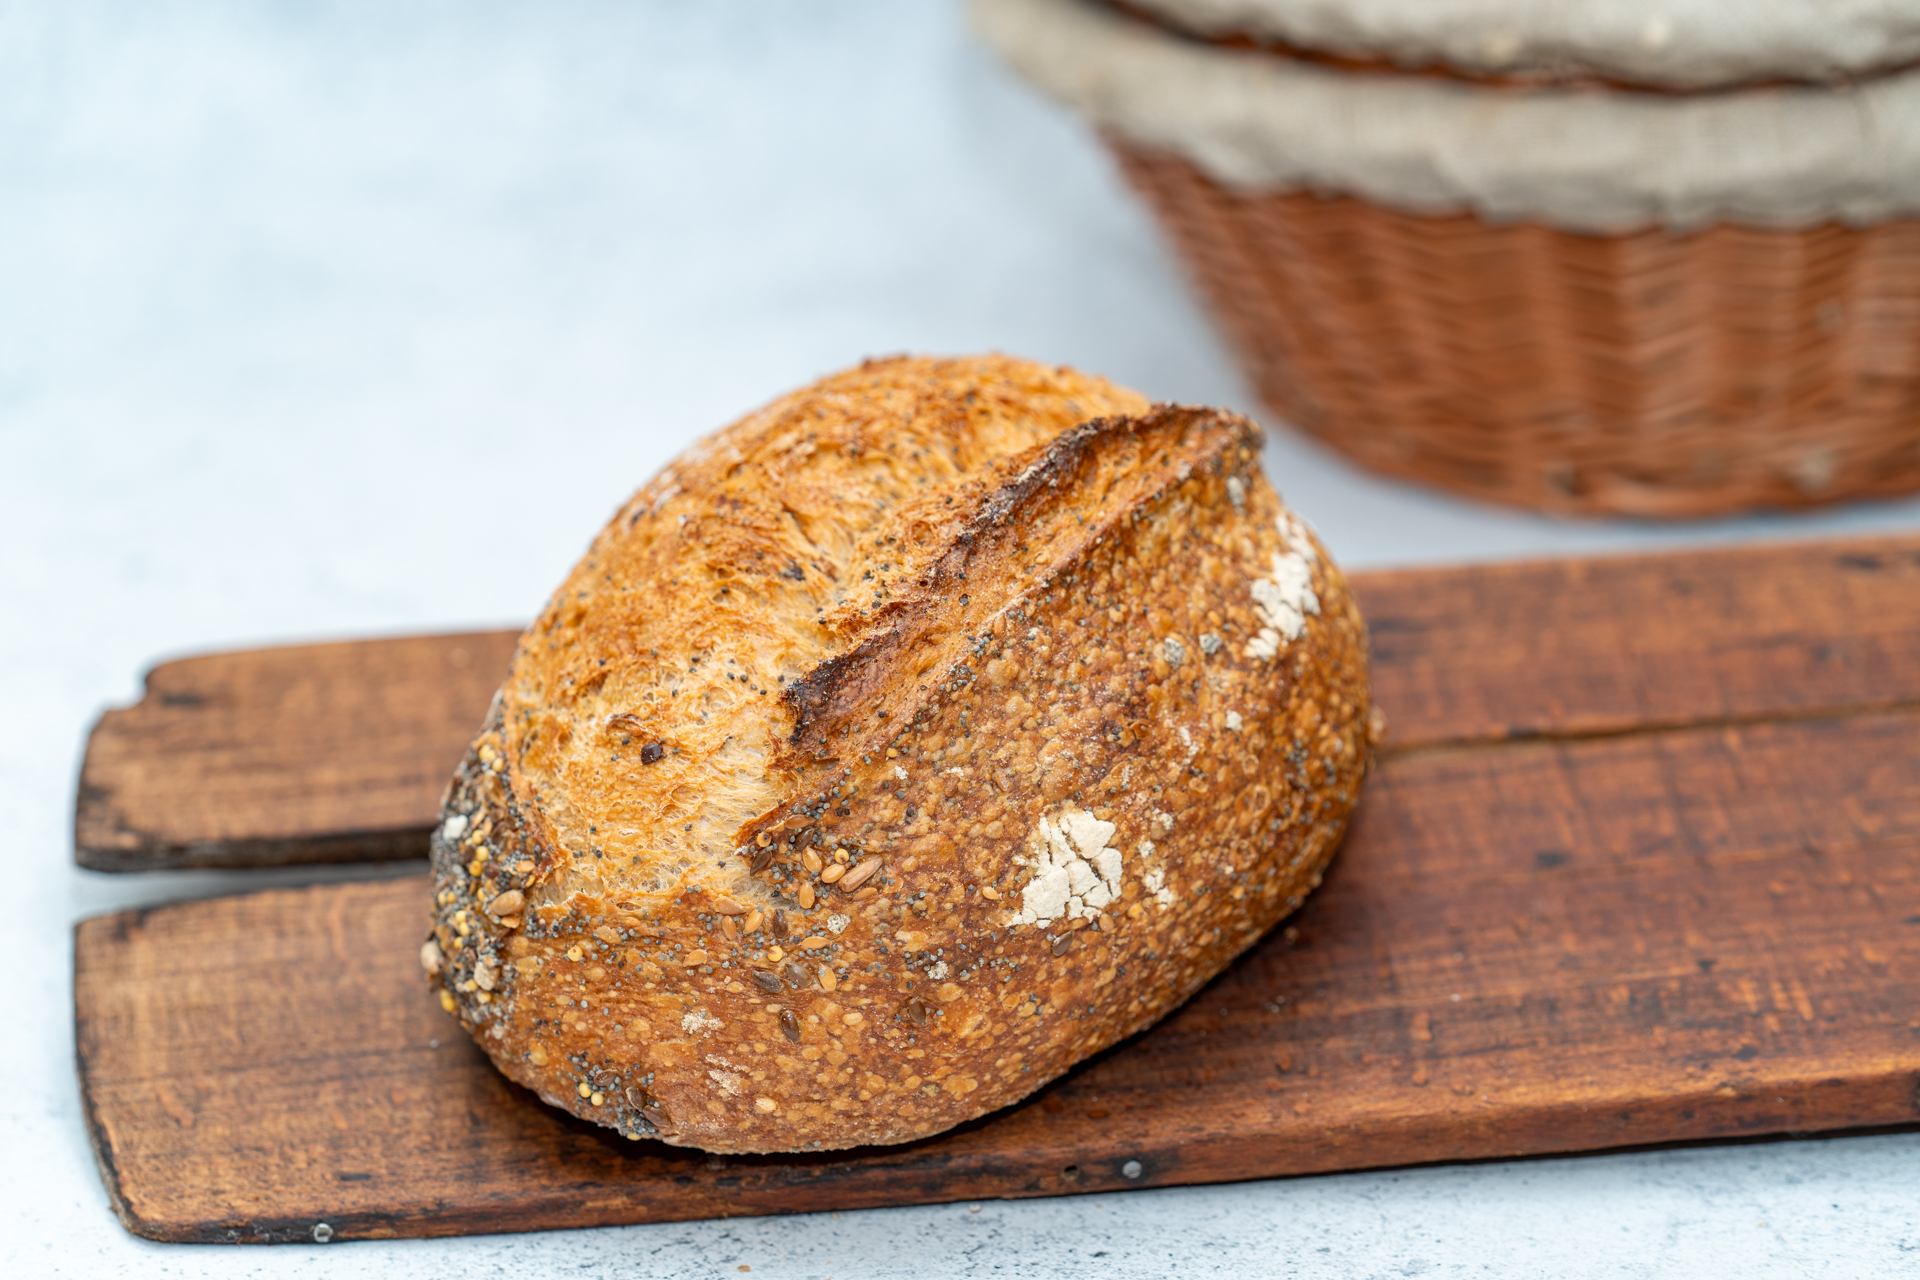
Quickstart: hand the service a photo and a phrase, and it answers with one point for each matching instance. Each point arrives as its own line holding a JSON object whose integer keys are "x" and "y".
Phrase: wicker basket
{"x": 1672, "y": 300}
{"x": 1650, "y": 374}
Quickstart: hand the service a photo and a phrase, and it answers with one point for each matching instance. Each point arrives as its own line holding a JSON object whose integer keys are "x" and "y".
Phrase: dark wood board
{"x": 1662, "y": 907}
{"x": 274, "y": 757}
{"x": 339, "y": 752}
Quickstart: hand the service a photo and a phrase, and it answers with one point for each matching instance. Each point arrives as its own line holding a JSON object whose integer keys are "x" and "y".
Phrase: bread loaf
{"x": 894, "y": 749}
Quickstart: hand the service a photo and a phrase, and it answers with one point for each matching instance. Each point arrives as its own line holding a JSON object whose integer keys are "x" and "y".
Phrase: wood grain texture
{"x": 1537, "y": 948}
{"x": 270, "y": 757}
{"x": 1569, "y": 648}
{"x": 340, "y": 752}
{"x": 1678, "y": 903}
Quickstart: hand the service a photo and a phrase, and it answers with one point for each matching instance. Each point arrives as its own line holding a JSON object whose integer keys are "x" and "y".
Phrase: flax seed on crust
{"x": 918, "y": 735}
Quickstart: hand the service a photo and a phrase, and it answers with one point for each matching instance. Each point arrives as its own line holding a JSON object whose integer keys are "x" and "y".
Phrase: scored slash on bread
{"x": 899, "y": 746}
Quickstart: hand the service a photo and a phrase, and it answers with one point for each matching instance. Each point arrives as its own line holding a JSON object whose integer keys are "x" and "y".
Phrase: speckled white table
{"x": 290, "y": 296}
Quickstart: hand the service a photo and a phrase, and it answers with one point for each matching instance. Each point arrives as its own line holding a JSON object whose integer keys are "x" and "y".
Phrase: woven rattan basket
{"x": 1575, "y": 296}
{"x": 1652, "y": 374}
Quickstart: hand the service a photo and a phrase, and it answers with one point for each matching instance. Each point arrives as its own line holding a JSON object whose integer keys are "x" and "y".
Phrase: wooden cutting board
{"x": 1640, "y": 863}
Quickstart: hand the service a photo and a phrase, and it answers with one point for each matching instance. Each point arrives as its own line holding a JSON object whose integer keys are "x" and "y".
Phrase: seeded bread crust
{"x": 896, "y": 748}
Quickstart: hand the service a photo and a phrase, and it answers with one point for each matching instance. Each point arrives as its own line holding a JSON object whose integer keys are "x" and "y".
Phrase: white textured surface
{"x": 1664, "y": 42}
{"x": 288, "y": 295}
{"x": 1586, "y": 159}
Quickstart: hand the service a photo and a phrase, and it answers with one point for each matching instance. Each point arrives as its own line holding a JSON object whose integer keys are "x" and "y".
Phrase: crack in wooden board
{"x": 1542, "y": 947}
{"x": 339, "y": 752}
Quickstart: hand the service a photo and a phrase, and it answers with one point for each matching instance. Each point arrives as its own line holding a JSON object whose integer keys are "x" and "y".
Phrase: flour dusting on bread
{"x": 798, "y": 822}
{"x": 1076, "y": 872}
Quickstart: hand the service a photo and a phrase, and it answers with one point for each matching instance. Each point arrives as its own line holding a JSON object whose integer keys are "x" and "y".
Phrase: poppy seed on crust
{"x": 817, "y": 921}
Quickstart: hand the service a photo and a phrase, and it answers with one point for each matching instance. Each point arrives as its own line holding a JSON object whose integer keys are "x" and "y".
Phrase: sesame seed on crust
{"x": 927, "y": 650}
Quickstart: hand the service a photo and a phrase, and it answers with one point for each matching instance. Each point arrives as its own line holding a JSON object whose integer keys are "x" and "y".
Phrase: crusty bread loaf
{"x": 892, "y": 750}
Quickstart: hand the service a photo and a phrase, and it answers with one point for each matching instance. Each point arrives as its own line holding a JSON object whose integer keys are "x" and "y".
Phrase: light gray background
{"x": 323, "y": 319}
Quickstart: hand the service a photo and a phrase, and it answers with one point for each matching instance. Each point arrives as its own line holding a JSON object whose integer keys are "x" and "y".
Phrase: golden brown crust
{"x": 896, "y": 748}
